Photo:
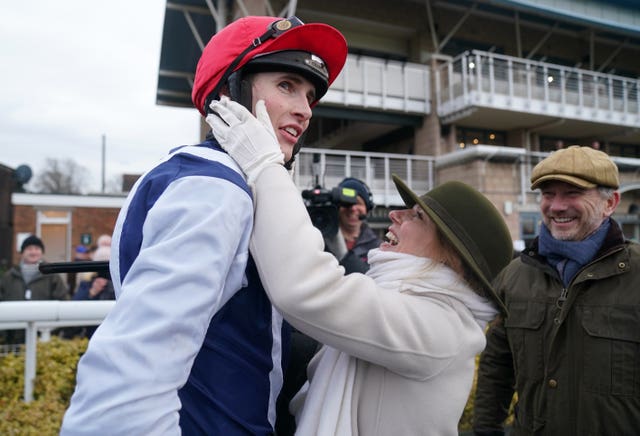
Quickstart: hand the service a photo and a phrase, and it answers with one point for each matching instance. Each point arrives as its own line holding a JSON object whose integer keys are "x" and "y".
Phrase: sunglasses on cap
{"x": 274, "y": 30}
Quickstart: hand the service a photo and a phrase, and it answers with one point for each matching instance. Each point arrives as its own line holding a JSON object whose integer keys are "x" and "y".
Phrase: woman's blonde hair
{"x": 450, "y": 257}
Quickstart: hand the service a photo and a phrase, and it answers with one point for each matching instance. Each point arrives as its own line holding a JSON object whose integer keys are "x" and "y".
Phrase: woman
{"x": 401, "y": 340}
{"x": 94, "y": 287}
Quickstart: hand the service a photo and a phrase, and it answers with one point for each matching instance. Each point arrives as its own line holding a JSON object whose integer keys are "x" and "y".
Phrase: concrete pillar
{"x": 427, "y": 137}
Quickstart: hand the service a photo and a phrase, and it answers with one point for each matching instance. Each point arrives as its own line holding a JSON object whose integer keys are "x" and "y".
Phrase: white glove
{"x": 249, "y": 140}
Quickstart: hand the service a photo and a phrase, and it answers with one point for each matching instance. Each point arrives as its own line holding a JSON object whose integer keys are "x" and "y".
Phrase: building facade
{"x": 434, "y": 90}
{"x": 62, "y": 221}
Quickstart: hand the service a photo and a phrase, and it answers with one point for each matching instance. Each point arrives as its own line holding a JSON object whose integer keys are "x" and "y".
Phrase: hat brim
{"x": 319, "y": 39}
{"x": 572, "y": 180}
{"x": 444, "y": 224}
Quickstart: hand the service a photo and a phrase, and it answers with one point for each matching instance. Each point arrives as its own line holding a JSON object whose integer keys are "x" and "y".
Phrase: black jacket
{"x": 355, "y": 260}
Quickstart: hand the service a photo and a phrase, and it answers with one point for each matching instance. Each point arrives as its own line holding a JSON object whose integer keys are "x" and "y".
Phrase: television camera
{"x": 322, "y": 205}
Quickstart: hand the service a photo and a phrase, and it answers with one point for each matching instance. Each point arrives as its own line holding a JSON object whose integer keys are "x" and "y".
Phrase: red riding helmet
{"x": 316, "y": 51}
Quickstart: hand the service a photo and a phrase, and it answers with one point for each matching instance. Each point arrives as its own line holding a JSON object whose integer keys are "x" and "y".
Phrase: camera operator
{"x": 354, "y": 238}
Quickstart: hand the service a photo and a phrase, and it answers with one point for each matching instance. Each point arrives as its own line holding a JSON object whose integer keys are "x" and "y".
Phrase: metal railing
{"x": 328, "y": 167}
{"x": 494, "y": 80}
{"x": 42, "y": 317}
{"x": 369, "y": 82}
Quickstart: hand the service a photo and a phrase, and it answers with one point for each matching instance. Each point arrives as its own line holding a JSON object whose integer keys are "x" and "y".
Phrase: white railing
{"x": 479, "y": 78}
{"x": 369, "y": 82}
{"x": 328, "y": 167}
{"x": 43, "y": 316}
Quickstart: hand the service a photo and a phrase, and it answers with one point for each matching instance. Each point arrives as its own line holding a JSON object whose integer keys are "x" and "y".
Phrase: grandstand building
{"x": 476, "y": 91}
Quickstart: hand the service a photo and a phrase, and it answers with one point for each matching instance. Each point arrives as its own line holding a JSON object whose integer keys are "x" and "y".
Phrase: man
{"x": 570, "y": 345}
{"x": 193, "y": 345}
{"x": 104, "y": 240}
{"x": 25, "y": 282}
{"x": 354, "y": 238}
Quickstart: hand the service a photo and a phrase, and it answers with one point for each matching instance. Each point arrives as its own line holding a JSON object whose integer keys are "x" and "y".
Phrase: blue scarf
{"x": 567, "y": 257}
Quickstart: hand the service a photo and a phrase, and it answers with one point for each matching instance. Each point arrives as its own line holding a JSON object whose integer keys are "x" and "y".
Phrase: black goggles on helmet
{"x": 274, "y": 30}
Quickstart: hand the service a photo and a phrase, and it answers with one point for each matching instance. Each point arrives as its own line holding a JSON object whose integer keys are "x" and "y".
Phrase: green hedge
{"x": 54, "y": 384}
{"x": 55, "y": 381}
{"x": 467, "y": 416}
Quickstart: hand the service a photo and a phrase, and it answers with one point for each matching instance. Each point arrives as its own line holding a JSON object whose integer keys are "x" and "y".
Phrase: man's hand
{"x": 249, "y": 140}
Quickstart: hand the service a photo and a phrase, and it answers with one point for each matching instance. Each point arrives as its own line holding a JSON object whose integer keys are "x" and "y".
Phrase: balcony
{"x": 372, "y": 83}
{"x": 486, "y": 89}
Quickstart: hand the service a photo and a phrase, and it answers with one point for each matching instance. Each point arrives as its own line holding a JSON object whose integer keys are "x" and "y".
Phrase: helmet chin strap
{"x": 240, "y": 90}
{"x": 296, "y": 149}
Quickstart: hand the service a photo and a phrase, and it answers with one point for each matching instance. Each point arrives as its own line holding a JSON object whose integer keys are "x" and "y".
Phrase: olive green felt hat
{"x": 471, "y": 223}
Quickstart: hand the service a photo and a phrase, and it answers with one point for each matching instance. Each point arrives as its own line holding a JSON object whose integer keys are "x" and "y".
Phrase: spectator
{"x": 85, "y": 276}
{"x": 98, "y": 287}
{"x": 104, "y": 241}
{"x": 570, "y": 345}
{"x": 400, "y": 342}
{"x": 81, "y": 254}
{"x": 354, "y": 239}
{"x": 25, "y": 282}
{"x": 193, "y": 345}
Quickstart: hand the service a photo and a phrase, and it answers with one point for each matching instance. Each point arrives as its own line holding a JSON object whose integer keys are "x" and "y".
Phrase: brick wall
{"x": 92, "y": 220}
{"x": 95, "y": 221}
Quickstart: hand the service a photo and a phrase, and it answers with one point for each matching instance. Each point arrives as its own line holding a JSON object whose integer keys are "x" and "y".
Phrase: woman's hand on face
{"x": 249, "y": 140}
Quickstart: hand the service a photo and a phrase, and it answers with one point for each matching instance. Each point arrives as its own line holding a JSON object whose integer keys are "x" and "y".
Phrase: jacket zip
{"x": 562, "y": 298}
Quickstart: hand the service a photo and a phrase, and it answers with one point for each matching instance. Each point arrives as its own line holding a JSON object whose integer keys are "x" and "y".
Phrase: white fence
{"x": 44, "y": 316}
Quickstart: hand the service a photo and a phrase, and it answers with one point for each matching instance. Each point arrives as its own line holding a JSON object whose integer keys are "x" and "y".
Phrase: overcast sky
{"x": 73, "y": 70}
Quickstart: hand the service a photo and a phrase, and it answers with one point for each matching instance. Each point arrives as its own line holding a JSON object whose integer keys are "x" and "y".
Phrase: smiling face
{"x": 351, "y": 216}
{"x": 32, "y": 254}
{"x": 571, "y": 213}
{"x": 288, "y": 98}
{"x": 413, "y": 232}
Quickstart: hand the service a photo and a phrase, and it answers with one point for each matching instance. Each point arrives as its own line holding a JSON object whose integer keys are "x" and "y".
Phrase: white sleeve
{"x": 195, "y": 246}
{"x": 415, "y": 336}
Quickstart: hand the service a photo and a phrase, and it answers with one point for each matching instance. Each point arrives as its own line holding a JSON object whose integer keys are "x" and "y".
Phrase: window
{"x": 529, "y": 226}
{"x": 467, "y": 137}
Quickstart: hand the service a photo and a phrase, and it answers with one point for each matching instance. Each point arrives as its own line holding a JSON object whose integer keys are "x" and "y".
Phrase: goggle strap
{"x": 255, "y": 43}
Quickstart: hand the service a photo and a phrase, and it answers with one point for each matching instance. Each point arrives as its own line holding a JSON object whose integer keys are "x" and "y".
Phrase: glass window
{"x": 529, "y": 226}
{"x": 467, "y": 137}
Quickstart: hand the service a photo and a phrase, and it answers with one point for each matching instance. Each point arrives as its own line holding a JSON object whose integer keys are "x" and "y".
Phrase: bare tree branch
{"x": 62, "y": 177}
